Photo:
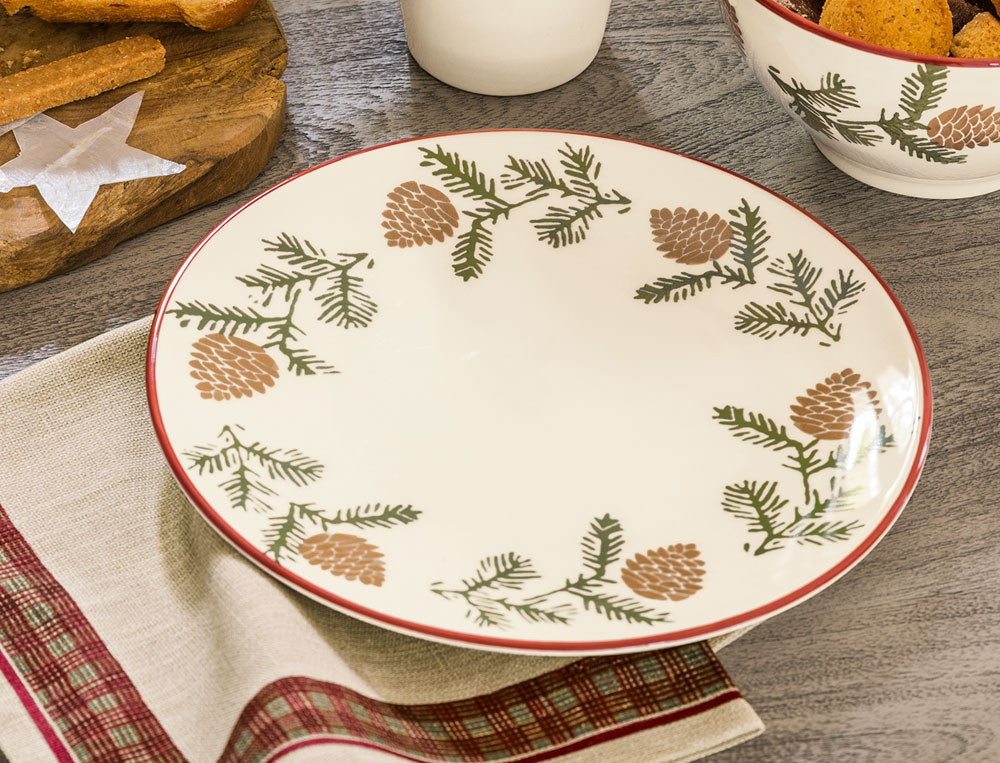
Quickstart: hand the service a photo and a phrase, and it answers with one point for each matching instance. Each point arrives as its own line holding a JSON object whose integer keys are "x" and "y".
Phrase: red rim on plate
{"x": 843, "y": 39}
{"x": 491, "y": 642}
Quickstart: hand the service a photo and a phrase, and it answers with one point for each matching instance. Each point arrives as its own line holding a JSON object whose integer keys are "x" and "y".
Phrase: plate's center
{"x": 556, "y": 403}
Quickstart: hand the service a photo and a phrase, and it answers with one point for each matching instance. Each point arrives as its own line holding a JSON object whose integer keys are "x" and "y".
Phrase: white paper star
{"x": 69, "y": 164}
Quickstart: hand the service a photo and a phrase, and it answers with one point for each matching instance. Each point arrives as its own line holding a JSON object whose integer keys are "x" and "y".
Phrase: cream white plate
{"x": 538, "y": 391}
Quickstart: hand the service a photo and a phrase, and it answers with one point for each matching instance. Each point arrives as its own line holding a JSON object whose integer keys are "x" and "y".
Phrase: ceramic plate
{"x": 538, "y": 391}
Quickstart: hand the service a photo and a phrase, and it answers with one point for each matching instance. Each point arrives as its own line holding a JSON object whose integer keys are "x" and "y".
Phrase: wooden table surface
{"x": 900, "y": 660}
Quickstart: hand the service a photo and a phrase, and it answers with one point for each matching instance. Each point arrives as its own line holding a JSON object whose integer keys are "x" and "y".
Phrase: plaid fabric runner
{"x": 101, "y": 717}
{"x": 68, "y": 669}
{"x": 578, "y": 705}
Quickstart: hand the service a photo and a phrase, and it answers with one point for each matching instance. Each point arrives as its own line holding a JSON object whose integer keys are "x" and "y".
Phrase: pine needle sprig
{"x": 244, "y": 491}
{"x": 510, "y": 571}
{"x": 923, "y": 90}
{"x": 270, "y": 280}
{"x": 460, "y": 176}
{"x": 902, "y": 133}
{"x": 244, "y": 487}
{"x": 817, "y": 533}
{"x": 473, "y": 249}
{"x": 285, "y": 533}
{"x": 538, "y": 174}
{"x": 288, "y": 465}
{"x": 344, "y": 301}
{"x": 858, "y": 133}
{"x": 563, "y": 226}
{"x": 580, "y": 165}
{"x": 221, "y": 320}
{"x": 749, "y": 241}
{"x": 602, "y": 545}
{"x": 561, "y": 614}
{"x": 675, "y": 288}
{"x": 819, "y": 107}
{"x": 622, "y": 608}
{"x": 756, "y": 428}
{"x": 798, "y": 280}
{"x": 760, "y": 505}
{"x": 367, "y": 516}
{"x": 289, "y": 249}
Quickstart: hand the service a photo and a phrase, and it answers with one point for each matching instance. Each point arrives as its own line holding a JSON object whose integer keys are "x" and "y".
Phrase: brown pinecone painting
{"x": 689, "y": 236}
{"x": 827, "y": 411}
{"x": 418, "y": 214}
{"x": 349, "y": 556}
{"x": 227, "y": 367}
{"x": 965, "y": 127}
{"x": 674, "y": 572}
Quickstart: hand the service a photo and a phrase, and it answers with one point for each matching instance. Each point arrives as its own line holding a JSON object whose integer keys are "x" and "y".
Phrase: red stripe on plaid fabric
{"x": 598, "y": 738}
{"x": 52, "y": 739}
{"x": 71, "y": 673}
{"x": 584, "y": 703}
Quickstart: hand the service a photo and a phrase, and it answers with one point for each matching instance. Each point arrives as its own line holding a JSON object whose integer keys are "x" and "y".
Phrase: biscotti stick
{"x": 210, "y": 15}
{"x": 79, "y": 76}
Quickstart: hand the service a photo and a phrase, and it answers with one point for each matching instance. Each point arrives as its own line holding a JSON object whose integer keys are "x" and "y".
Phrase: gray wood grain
{"x": 900, "y": 660}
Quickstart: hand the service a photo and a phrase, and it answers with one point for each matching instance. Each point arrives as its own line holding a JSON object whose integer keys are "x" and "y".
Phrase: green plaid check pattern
{"x": 101, "y": 718}
{"x": 581, "y": 704}
{"x": 60, "y": 658}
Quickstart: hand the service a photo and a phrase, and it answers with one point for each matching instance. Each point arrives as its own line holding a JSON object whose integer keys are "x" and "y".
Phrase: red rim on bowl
{"x": 843, "y": 39}
{"x": 669, "y": 638}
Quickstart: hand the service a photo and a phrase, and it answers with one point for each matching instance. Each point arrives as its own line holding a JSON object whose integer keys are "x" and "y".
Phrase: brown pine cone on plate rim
{"x": 418, "y": 214}
{"x": 689, "y": 236}
{"x": 345, "y": 555}
{"x": 674, "y": 572}
{"x": 828, "y": 410}
{"x": 228, "y": 366}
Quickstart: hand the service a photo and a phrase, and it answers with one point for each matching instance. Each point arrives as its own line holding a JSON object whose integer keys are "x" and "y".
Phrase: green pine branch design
{"x": 820, "y": 110}
{"x": 489, "y": 606}
{"x": 798, "y": 280}
{"x": 255, "y": 476}
{"x": 245, "y": 464}
{"x": 774, "y": 520}
{"x": 535, "y": 180}
{"x": 286, "y": 532}
{"x": 333, "y": 282}
{"x": 747, "y": 248}
{"x": 923, "y": 91}
{"x": 222, "y": 320}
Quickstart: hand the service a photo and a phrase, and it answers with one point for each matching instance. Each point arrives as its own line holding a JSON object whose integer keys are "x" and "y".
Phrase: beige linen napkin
{"x": 130, "y": 631}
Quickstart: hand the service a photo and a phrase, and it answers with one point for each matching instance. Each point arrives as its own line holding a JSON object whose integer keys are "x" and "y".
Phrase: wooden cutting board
{"x": 218, "y": 107}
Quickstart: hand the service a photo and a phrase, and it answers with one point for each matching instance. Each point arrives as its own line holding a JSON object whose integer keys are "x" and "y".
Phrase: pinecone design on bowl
{"x": 965, "y": 127}
{"x": 227, "y": 367}
{"x": 418, "y": 214}
{"x": 674, "y": 572}
{"x": 689, "y": 236}
{"x": 345, "y": 555}
{"x": 828, "y": 410}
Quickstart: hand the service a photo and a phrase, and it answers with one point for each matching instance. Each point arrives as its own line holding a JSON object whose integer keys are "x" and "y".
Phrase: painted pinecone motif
{"x": 965, "y": 127}
{"x": 689, "y": 236}
{"x": 418, "y": 214}
{"x": 346, "y": 555}
{"x": 674, "y": 572}
{"x": 227, "y": 367}
{"x": 828, "y": 410}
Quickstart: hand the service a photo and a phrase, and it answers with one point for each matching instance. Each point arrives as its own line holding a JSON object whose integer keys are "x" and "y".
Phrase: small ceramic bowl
{"x": 924, "y": 126}
{"x": 504, "y": 47}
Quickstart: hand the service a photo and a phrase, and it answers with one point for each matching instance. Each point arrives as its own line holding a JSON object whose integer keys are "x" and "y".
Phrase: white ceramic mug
{"x": 504, "y": 47}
